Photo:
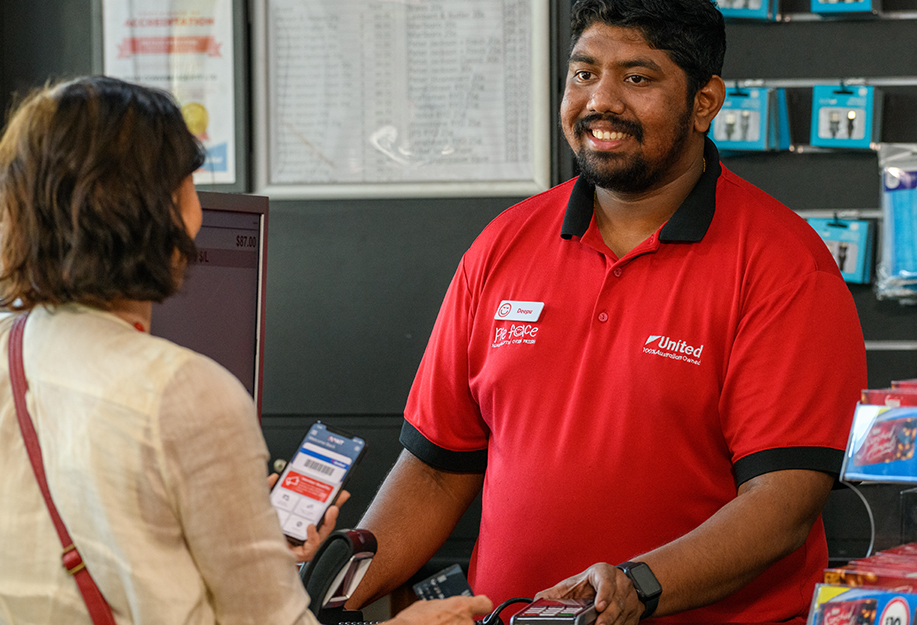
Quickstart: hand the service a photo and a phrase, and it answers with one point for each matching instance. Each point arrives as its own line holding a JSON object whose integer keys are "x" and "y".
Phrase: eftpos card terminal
{"x": 557, "y": 612}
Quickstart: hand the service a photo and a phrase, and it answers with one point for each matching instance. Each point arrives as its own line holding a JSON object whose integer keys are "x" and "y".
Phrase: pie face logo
{"x": 667, "y": 347}
{"x": 522, "y": 333}
{"x": 515, "y": 334}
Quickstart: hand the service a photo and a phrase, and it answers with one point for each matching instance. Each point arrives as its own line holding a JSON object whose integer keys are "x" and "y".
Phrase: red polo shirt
{"x": 616, "y": 404}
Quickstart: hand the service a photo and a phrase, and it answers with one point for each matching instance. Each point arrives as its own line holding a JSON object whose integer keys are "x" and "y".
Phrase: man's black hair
{"x": 692, "y": 32}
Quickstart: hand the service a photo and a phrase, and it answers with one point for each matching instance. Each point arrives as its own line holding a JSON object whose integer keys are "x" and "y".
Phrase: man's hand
{"x": 615, "y": 598}
{"x": 769, "y": 519}
{"x": 314, "y": 537}
{"x": 451, "y": 611}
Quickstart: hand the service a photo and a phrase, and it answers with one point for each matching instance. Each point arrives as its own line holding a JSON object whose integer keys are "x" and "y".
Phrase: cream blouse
{"x": 156, "y": 462}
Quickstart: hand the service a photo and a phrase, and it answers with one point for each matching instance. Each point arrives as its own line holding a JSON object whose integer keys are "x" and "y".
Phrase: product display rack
{"x": 799, "y": 50}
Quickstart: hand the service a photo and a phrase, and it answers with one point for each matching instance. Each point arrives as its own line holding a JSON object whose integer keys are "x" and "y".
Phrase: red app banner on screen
{"x": 304, "y": 485}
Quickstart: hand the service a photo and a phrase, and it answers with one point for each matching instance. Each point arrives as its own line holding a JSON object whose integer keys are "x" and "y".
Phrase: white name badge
{"x": 510, "y": 310}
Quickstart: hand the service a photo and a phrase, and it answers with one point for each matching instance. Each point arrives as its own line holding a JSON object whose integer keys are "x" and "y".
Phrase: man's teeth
{"x": 606, "y": 135}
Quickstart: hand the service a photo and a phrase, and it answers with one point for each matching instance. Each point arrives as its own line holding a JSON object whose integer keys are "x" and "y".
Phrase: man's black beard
{"x": 634, "y": 174}
{"x": 635, "y": 177}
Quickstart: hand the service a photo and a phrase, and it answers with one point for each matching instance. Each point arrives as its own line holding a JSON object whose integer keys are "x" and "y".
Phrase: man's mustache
{"x": 616, "y": 123}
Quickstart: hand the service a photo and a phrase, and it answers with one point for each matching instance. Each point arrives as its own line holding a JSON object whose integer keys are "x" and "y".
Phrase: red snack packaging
{"x": 855, "y": 612}
{"x": 888, "y": 440}
{"x": 895, "y": 396}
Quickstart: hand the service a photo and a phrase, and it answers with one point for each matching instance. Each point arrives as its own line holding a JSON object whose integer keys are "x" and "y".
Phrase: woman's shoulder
{"x": 87, "y": 349}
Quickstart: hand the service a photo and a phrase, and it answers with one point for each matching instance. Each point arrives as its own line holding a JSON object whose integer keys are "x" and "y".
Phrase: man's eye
{"x": 583, "y": 74}
{"x": 636, "y": 79}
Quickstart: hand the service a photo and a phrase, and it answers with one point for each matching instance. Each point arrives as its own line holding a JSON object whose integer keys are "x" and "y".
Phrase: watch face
{"x": 644, "y": 580}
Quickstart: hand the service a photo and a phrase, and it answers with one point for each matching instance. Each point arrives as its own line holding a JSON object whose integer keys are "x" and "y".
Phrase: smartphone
{"x": 312, "y": 480}
{"x": 557, "y": 612}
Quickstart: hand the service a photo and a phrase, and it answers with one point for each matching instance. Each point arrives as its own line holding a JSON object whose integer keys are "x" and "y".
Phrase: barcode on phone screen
{"x": 317, "y": 466}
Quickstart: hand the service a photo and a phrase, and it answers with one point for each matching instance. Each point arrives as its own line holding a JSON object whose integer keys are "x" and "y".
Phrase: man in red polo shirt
{"x": 650, "y": 370}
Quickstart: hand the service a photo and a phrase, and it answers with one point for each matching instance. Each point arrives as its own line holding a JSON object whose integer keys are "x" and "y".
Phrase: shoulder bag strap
{"x": 99, "y": 609}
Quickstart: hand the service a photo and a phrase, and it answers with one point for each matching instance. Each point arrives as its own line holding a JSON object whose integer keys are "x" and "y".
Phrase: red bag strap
{"x": 99, "y": 610}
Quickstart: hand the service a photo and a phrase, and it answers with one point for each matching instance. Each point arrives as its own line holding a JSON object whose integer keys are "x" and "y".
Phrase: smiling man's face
{"x": 625, "y": 110}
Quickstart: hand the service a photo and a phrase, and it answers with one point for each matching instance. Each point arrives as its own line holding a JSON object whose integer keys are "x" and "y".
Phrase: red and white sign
{"x": 130, "y": 46}
{"x": 304, "y": 485}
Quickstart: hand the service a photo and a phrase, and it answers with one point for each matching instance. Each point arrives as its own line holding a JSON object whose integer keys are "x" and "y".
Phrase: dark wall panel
{"x": 820, "y": 48}
{"x": 353, "y": 291}
{"x": 885, "y": 366}
{"x": 884, "y": 320}
{"x": 44, "y": 39}
{"x": 835, "y": 180}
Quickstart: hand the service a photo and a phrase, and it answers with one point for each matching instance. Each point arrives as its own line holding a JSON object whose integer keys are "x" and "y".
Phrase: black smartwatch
{"x": 645, "y": 583}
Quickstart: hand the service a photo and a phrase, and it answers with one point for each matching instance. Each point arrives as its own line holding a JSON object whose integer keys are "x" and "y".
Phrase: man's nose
{"x": 607, "y": 97}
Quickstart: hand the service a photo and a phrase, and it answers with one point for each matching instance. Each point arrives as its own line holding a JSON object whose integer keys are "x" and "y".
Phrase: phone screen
{"x": 312, "y": 480}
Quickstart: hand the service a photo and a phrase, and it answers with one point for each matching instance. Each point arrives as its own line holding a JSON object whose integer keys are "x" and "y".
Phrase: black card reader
{"x": 556, "y": 612}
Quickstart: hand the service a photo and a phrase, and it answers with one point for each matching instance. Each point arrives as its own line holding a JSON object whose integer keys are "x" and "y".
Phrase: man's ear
{"x": 707, "y": 103}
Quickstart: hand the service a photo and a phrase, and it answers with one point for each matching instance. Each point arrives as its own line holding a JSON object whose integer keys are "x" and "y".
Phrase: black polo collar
{"x": 689, "y": 223}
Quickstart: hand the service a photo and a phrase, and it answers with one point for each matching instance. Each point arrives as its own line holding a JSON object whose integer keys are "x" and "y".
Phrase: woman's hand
{"x": 451, "y": 611}
{"x": 314, "y": 537}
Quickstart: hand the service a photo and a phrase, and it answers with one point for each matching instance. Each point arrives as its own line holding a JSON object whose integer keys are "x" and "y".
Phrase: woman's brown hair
{"x": 89, "y": 171}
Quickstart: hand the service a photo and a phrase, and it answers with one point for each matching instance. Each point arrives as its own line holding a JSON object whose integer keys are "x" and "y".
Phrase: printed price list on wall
{"x": 393, "y": 91}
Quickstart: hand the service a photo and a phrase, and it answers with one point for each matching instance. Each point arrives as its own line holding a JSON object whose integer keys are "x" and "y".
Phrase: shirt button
{"x": 617, "y": 272}
{"x": 603, "y": 316}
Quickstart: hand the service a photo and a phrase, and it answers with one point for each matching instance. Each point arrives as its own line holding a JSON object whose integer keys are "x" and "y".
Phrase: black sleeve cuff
{"x": 439, "y": 458}
{"x": 824, "y": 459}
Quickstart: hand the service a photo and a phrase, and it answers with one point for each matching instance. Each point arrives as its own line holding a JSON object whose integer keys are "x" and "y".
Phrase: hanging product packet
{"x": 897, "y": 268}
{"x": 881, "y": 445}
